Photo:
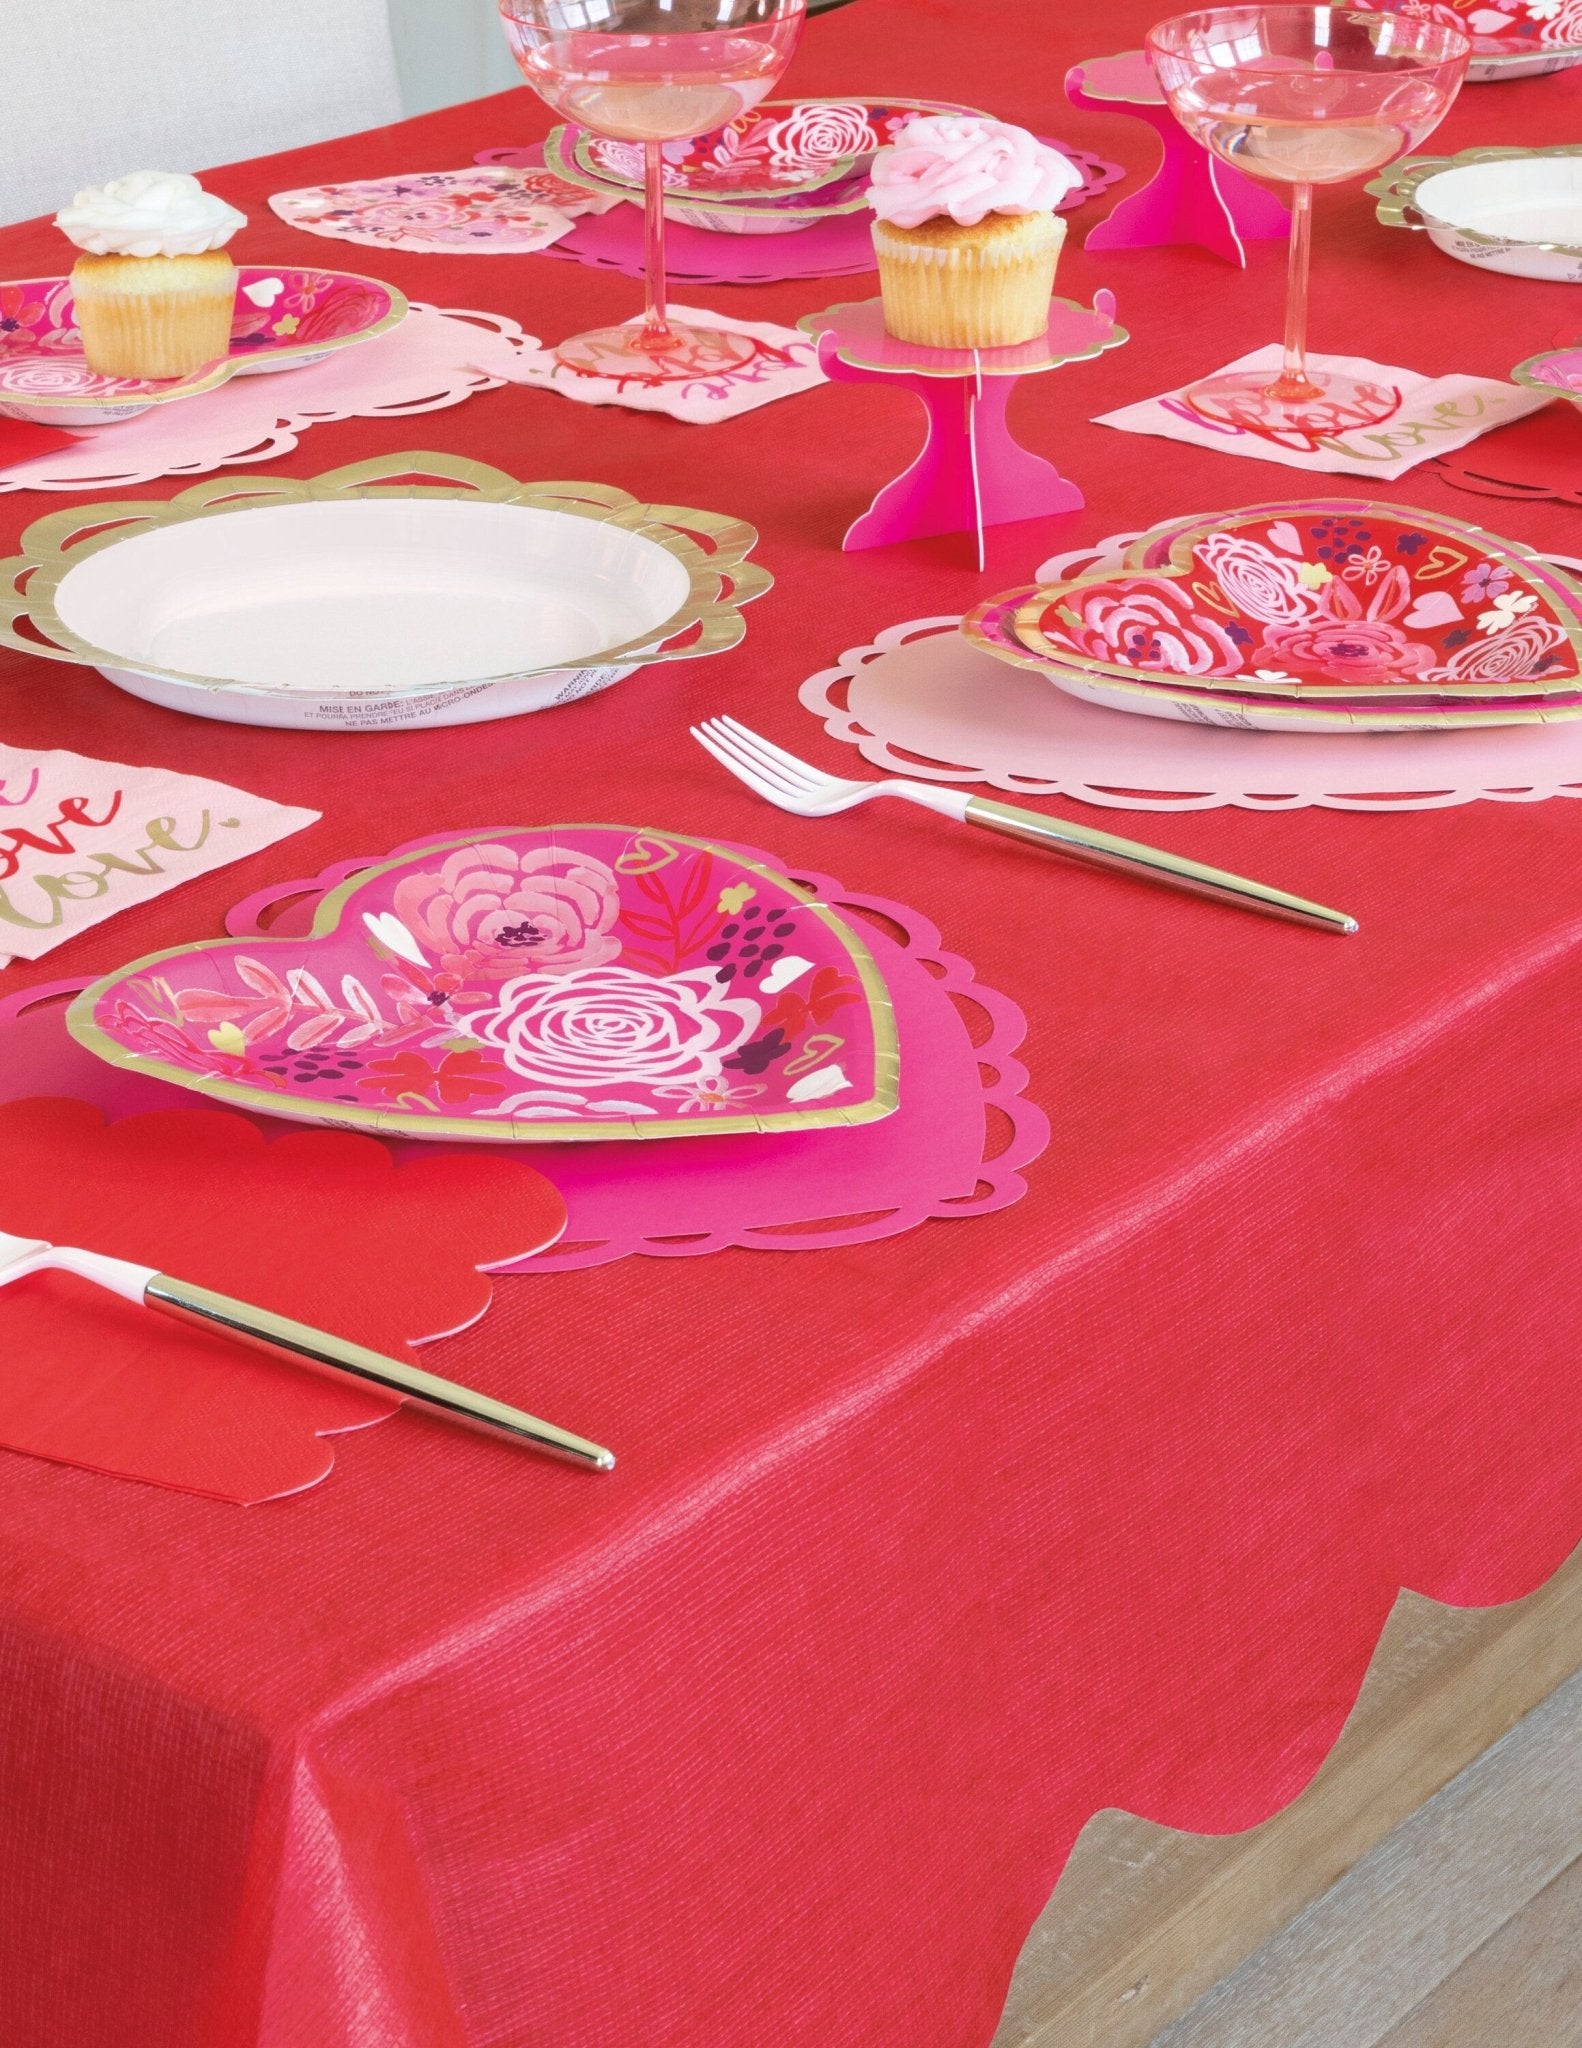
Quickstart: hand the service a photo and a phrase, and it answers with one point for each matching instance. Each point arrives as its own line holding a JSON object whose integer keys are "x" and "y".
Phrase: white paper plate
{"x": 358, "y": 608}
{"x": 360, "y": 613}
{"x": 1518, "y": 214}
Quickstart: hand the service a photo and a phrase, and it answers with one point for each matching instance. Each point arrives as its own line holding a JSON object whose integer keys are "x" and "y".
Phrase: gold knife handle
{"x": 267, "y": 1331}
{"x": 1059, "y": 835}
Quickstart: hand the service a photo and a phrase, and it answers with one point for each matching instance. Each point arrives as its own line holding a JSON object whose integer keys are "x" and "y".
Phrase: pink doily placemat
{"x": 958, "y": 1145}
{"x": 839, "y": 247}
{"x": 436, "y": 358}
{"x": 920, "y": 702}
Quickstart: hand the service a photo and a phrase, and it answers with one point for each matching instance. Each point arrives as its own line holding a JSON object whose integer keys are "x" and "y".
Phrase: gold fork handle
{"x": 267, "y": 1331}
{"x": 1059, "y": 835}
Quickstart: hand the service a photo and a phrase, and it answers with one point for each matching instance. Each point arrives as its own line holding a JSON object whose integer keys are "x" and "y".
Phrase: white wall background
{"x": 449, "y": 50}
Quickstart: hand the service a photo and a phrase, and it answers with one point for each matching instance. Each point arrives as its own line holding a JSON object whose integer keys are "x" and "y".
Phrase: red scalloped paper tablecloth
{"x": 918, "y": 1552}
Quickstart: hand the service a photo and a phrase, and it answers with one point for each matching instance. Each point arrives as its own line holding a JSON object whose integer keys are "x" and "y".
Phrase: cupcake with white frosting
{"x": 965, "y": 231}
{"x": 155, "y": 288}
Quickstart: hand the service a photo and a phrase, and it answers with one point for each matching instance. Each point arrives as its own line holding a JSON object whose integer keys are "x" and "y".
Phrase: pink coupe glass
{"x": 652, "y": 71}
{"x": 1304, "y": 96}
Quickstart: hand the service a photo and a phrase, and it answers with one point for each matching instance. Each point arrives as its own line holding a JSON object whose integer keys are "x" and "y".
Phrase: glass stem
{"x": 1293, "y": 381}
{"x": 656, "y": 329}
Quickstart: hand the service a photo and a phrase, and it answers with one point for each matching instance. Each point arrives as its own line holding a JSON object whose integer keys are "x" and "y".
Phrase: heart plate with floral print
{"x": 1363, "y": 611}
{"x": 285, "y": 320}
{"x": 778, "y": 147}
{"x": 559, "y": 982}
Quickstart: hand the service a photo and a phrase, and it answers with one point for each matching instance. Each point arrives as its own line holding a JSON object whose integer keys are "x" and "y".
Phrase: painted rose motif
{"x": 1508, "y": 657}
{"x": 820, "y": 134}
{"x": 349, "y": 309}
{"x": 490, "y": 911}
{"x": 603, "y": 1027}
{"x": 1150, "y": 623}
{"x": 1561, "y": 23}
{"x": 1257, "y": 582}
{"x": 1350, "y": 639}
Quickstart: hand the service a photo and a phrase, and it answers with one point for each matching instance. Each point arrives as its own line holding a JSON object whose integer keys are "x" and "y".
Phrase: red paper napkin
{"x": 1539, "y": 457}
{"x": 324, "y": 1226}
{"x": 21, "y": 440}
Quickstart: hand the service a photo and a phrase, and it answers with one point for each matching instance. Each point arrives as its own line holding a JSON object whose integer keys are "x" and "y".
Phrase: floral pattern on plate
{"x": 1200, "y": 700}
{"x": 1308, "y": 603}
{"x": 285, "y": 319}
{"x": 1511, "y": 31}
{"x": 580, "y": 981}
{"x": 781, "y": 146}
{"x": 488, "y": 210}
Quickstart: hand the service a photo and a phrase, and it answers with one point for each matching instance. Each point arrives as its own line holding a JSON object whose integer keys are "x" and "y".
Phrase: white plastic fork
{"x": 795, "y": 785}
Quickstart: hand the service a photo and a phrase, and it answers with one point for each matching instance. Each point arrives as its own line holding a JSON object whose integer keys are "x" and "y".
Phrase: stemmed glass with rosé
{"x": 652, "y": 71}
{"x": 1304, "y": 96}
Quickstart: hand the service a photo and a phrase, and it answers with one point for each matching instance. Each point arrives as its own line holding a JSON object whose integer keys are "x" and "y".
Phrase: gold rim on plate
{"x": 711, "y": 547}
{"x": 1396, "y": 191}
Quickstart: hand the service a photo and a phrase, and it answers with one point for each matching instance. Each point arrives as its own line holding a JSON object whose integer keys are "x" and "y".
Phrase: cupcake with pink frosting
{"x": 965, "y": 231}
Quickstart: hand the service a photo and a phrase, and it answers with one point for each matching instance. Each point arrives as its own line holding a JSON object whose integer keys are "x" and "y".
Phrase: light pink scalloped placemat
{"x": 436, "y": 358}
{"x": 920, "y": 702}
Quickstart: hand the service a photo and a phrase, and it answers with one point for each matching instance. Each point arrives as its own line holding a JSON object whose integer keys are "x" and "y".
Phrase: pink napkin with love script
{"x": 82, "y": 839}
{"x": 781, "y": 361}
{"x": 1427, "y": 417}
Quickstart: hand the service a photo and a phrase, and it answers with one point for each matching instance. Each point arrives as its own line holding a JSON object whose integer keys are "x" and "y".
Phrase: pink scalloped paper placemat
{"x": 958, "y": 1145}
{"x": 839, "y": 247}
{"x": 920, "y": 702}
{"x": 436, "y": 358}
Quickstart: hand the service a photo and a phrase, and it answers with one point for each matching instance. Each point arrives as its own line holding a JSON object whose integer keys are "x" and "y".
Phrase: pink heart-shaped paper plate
{"x": 780, "y": 147}
{"x": 554, "y": 983}
{"x": 1320, "y": 602}
{"x": 1193, "y": 700}
{"x": 285, "y": 319}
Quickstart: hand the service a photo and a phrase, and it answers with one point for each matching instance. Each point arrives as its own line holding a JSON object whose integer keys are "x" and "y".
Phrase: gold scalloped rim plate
{"x": 710, "y": 547}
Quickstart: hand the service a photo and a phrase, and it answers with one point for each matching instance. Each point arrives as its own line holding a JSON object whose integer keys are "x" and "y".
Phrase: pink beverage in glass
{"x": 658, "y": 88}
{"x": 653, "y": 71}
{"x": 1304, "y": 96}
{"x": 1317, "y": 126}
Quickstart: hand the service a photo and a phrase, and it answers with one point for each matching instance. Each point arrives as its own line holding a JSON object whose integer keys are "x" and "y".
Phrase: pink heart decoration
{"x": 1434, "y": 608}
